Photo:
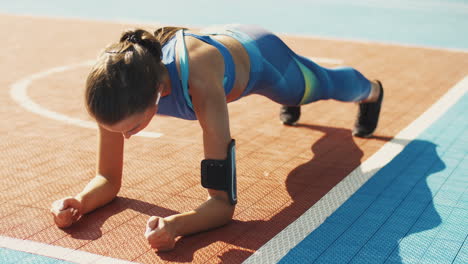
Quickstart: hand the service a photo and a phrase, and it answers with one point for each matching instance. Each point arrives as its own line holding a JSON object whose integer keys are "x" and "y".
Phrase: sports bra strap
{"x": 184, "y": 66}
{"x": 229, "y": 70}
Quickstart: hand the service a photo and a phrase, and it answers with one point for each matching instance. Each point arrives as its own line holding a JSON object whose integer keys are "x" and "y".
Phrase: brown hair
{"x": 125, "y": 77}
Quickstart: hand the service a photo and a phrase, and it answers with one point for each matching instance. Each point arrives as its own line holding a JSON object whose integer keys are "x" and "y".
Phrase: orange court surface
{"x": 48, "y": 143}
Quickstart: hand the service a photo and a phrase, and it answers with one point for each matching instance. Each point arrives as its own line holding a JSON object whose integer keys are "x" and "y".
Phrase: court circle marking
{"x": 19, "y": 93}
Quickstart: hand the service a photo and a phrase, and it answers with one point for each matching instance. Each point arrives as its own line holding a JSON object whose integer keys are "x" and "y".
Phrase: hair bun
{"x": 145, "y": 39}
{"x": 131, "y": 36}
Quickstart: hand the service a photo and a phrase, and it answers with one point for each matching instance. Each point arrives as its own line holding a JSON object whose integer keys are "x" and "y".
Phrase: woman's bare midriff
{"x": 241, "y": 62}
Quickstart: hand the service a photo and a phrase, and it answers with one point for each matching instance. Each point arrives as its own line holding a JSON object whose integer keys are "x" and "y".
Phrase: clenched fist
{"x": 66, "y": 211}
{"x": 160, "y": 234}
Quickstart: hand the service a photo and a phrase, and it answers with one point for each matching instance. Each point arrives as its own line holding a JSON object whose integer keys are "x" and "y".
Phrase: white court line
{"x": 19, "y": 93}
{"x": 56, "y": 252}
{"x": 283, "y": 242}
{"x": 372, "y": 42}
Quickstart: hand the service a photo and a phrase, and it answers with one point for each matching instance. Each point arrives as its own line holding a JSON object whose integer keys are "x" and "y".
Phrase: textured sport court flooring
{"x": 307, "y": 194}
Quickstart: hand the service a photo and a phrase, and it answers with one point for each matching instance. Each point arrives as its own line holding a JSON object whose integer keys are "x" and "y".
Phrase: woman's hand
{"x": 66, "y": 211}
{"x": 160, "y": 234}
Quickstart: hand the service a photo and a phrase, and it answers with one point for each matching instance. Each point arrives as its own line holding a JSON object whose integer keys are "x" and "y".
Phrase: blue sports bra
{"x": 179, "y": 103}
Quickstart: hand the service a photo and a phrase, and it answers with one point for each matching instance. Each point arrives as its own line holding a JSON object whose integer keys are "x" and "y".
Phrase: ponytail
{"x": 125, "y": 78}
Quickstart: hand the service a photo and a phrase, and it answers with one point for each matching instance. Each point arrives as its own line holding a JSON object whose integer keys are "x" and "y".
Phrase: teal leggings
{"x": 290, "y": 79}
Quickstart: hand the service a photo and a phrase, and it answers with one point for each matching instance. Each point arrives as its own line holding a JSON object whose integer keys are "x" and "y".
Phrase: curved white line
{"x": 19, "y": 93}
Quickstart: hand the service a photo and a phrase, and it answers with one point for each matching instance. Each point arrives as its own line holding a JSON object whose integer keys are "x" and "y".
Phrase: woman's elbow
{"x": 222, "y": 198}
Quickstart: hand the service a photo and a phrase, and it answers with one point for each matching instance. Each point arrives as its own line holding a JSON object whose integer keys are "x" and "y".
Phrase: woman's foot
{"x": 290, "y": 114}
{"x": 369, "y": 112}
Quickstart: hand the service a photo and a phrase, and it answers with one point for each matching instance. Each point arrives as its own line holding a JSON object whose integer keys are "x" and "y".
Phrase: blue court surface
{"x": 9, "y": 256}
{"x": 415, "y": 208}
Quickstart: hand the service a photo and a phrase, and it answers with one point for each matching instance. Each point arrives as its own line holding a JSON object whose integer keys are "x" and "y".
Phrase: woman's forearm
{"x": 98, "y": 192}
{"x": 215, "y": 212}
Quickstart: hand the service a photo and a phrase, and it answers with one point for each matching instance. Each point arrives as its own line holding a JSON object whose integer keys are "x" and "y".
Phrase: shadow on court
{"x": 423, "y": 216}
{"x": 395, "y": 203}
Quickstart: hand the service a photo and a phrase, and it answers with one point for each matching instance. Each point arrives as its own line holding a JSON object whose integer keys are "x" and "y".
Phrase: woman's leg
{"x": 292, "y": 80}
{"x": 344, "y": 84}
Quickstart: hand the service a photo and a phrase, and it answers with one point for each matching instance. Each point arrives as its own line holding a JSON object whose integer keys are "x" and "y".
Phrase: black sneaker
{"x": 368, "y": 116}
{"x": 290, "y": 114}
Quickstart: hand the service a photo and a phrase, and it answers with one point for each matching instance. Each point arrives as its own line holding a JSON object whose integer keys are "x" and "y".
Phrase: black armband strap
{"x": 221, "y": 174}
